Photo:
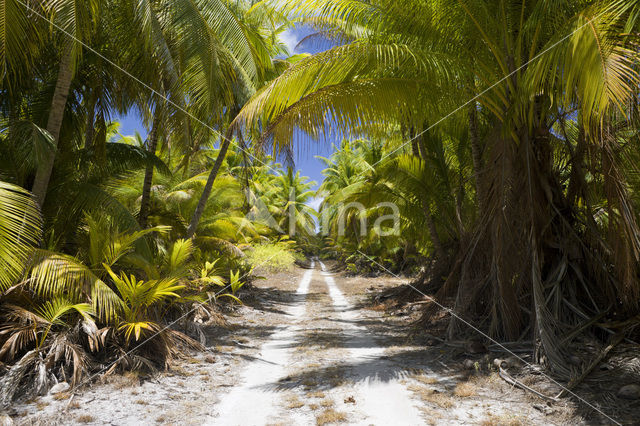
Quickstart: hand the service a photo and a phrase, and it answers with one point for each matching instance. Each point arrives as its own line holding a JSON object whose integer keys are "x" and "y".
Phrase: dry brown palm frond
{"x": 96, "y": 338}
{"x": 19, "y": 331}
{"x": 11, "y": 382}
{"x": 125, "y": 361}
{"x": 21, "y": 315}
{"x": 63, "y": 350}
{"x": 624, "y": 233}
{"x": 20, "y": 338}
{"x": 179, "y": 338}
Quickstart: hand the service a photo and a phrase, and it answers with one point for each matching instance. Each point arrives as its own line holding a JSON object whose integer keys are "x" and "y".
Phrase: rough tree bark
{"x": 152, "y": 143}
{"x": 90, "y": 130}
{"x": 433, "y": 232}
{"x": 197, "y": 214}
{"x": 54, "y": 124}
{"x": 476, "y": 157}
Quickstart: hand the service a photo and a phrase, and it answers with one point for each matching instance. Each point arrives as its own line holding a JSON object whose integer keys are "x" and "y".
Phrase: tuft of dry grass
{"x": 503, "y": 420}
{"x": 465, "y": 390}
{"x": 179, "y": 371}
{"x": 85, "y": 418}
{"x": 142, "y": 402}
{"x": 294, "y": 402}
{"x": 439, "y": 399}
{"x": 61, "y": 396}
{"x": 74, "y": 405}
{"x": 330, "y": 416}
{"x": 314, "y": 407}
{"x": 315, "y": 394}
{"x": 326, "y": 403}
{"x": 432, "y": 396}
{"x": 427, "y": 380}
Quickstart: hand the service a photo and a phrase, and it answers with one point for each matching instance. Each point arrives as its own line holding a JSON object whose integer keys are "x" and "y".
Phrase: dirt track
{"x": 304, "y": 351}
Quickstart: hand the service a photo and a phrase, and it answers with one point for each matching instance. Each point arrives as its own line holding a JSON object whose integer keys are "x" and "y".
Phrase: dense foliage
{"x": 124, "y": 236}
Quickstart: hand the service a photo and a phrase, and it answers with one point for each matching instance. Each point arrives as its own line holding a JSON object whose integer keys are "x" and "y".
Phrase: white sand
{"x": 254, "y": 402}
{"x": 379, "y": 402}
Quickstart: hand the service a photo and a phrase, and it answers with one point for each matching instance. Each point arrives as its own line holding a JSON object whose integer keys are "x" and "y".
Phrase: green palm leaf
{"x": 19, "y": 231}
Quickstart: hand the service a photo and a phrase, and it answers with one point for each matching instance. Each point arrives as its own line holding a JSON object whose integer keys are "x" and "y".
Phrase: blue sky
{"x": 306, "y": 149}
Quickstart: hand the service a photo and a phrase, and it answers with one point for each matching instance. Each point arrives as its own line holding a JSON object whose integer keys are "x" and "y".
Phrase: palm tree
{"x": 81, "y": 273}
{"x": 197, "y": 214}
{"x": 74, "y": 20}
{"x": 290, "y": 192}
{"x": 168, "y": 41}
{"x": 263, "y": 23}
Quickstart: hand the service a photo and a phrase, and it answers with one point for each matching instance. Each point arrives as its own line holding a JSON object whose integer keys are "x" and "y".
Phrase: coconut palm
{"x": 288, "y": 197}
{"x": 265, "y": 24}
{"x": 93, "y": 262}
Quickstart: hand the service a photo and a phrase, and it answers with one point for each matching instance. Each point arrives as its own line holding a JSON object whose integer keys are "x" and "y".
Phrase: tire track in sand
{"x": 254, "y": 402}
{"x": 381, "y": 401}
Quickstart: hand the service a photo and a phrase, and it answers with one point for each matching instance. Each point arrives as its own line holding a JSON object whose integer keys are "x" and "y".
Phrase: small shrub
{"x": 277, "y": 257}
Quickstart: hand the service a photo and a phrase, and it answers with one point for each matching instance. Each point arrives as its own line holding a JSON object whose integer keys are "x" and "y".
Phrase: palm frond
{"x": 19, "y": 232}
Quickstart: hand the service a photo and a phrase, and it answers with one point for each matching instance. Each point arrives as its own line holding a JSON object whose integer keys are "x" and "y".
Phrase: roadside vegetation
{"x": 274, "y": 257}
{"x": 105, "y": 238}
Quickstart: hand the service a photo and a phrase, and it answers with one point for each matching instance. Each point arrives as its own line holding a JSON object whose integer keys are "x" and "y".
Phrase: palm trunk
{"x": 14, "y": 117}
{"x": 148, "y": 174}
{"x": 414, "y": 143}
{"x": 433, "y": 232}
{"x": 90, "y": 130}
{"x": 414, "y": 148}
{"x": 476, "y": 156}
{"x": 54, "y": 124}
{"x": 197, "y": 215}
{"x": 422, "y": 148}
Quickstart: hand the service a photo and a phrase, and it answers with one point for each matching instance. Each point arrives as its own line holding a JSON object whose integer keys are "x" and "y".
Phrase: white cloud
{"x": 290, "y": 39}
{"x": 315, "y": 202}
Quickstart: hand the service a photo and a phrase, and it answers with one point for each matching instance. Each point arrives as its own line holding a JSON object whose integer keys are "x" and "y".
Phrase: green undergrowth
{"x": 274, "y": 257}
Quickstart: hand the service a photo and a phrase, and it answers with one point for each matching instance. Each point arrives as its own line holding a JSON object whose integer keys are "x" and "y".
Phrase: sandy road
{"x": 380, "y": 402}
{"x": 252, "y": 402}
{"x": 304, "y": 350}
{"x": 383, "y": 402}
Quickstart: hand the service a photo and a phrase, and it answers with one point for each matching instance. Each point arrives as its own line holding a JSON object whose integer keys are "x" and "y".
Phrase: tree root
{"x": 575, "y": 382}
{"x": 507, "y": 378}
